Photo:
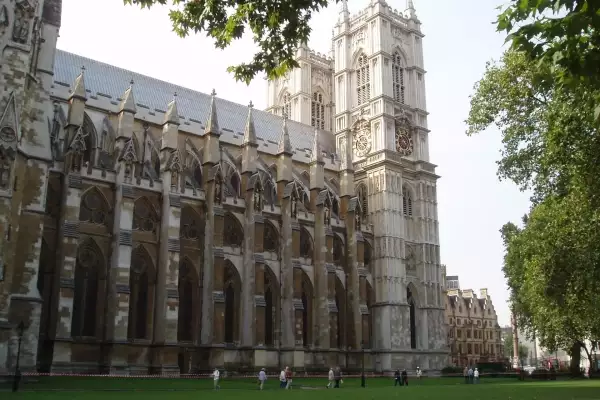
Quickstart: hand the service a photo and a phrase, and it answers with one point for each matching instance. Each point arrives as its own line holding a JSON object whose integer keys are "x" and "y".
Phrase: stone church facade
{"x": 146, "y": 227}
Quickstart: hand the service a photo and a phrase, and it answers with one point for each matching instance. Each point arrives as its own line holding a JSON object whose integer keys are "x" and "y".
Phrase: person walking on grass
{"x": 331, "y": 378}
{"x": 418, "y": 373}
{"x": 404, "y": 377}
{"x": 282, "y": 383}
{"x": 262, "y": 377}
{"x": 470, "y": 375}
{"x": 216, "y": 375}
{"x": 466, "y": 374}
{"x": 288, "y": 378}
{"x": 476, "y": 375}
{"x": 397, "y": 378}
{"x": 337, "y": 376}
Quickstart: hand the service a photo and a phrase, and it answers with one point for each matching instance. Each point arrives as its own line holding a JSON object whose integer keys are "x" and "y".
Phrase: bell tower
{"x": 379, "y": 86}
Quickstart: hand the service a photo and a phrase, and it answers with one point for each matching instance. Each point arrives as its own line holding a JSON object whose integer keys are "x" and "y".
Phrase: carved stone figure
{"x": 294, "y": 207}
{"x": 218, "y": 191}
{"x": 257, "y": 200}
{"x": 21, "y": 26}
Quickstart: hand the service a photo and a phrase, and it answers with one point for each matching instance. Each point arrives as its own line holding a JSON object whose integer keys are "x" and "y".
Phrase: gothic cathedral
{"x": 149, "y": 228}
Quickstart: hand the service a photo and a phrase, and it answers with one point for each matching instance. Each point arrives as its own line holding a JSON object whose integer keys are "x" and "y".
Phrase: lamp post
{"x": 17, "y": 378}
{"x": 362, "y": 375}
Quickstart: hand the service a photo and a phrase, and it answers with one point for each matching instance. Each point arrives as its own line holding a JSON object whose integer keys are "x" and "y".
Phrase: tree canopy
{"x": 551, "y": 146}
{"x": 278, "y": 27}
{"x": 564, "y": 34}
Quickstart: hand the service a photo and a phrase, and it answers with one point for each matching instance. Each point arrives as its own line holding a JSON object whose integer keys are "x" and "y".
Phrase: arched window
{"x": 270, "y": 239}
{"x": 286, "y": 110}
{"x": 145, "y": 218}
{"x": 306, "y": 247}
{"x": 94, "y": 208}
{"x": 318, "y": 111}
{"x": 188, "y": 297}
{"x": 236, "y": 185}
{"x": 140, "y": 281}
{"x": 363, "y": 81}
{"x": 407, "y": 202}
{"x": 413, "y": 327}
{"x": 398, "y": 77}
{"x": 233, "y": 234}
{"x": 85, "y": 298}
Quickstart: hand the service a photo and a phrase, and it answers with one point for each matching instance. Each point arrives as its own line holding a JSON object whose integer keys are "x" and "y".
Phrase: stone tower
{"x": 306, "y": 93}
{"x": 379, "y": 86}
{"x": 28, "y": 34}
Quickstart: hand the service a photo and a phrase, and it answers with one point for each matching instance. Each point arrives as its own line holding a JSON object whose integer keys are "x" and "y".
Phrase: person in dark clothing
{"x": 404, "y": 378}
{"x": 397, "y": 379}
{"x": 337, "y": 375}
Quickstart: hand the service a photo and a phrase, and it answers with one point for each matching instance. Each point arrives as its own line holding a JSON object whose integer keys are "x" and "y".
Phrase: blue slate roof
{"x": 109, "y": 81}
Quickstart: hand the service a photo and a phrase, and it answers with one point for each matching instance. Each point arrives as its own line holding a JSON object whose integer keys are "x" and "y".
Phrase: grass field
{"x": 50, "y": 388}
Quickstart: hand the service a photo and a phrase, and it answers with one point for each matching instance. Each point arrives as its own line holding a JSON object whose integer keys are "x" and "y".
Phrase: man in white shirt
{"x": 476, "y": 375}
{"x": 282, "y": 383}
{"x": 216, "y": 375}
{"x": 418, "y": 373}
{"x": 331, "y": 378}
{"x": 262, "y": 377}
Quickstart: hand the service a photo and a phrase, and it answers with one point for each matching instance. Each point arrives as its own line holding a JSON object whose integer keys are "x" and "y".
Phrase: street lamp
{"x": 362, "y": 375}
{"x": 17, "y": 378}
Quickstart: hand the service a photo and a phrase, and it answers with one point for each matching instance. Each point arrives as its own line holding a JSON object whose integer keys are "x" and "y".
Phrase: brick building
{"x": 148, "y": 227}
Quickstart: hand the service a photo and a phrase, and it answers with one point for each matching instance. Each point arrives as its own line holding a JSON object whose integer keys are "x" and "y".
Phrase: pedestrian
{"x": 418, "y": 373}
{"x": 282, "y": 383}
{"x": 404, "y": 377}
{"x": 337, "y": 376}
{"x": 470, "y": 375}
{"x": 262, "y": 377}
{"x": 216, "y": 375}
{"x": 476, "y": 375}
{"x": 331, "y": 377}
{"x": 397, "y": 378}
{"x": 466, "y": 374}
{"x": 288, "y": 378}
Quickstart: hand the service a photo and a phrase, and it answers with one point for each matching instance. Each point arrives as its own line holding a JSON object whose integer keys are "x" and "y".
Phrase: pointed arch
{"x": 270, "y": 237}
{"x": 306, "y": 244}
{"x": 233, "y": 234}
{"x": 91, "y": 138}
{"x": 145, "y": 216}
{"x": 142, "y": 280}
{"x": 94, "y": 207}
{"x": 317, "y": 109}
{"x": 191, "y": 226}
{"x": 407, "y": 201}
{"x": 398, "y": 72}
{"x": 272, "y": 310}
{"x": 338, "y": 251}
{"x": 90, "y": 269}
{"x": 194, "y": 174}
{"x": 306, "y": 299}
{"x": 362, "y": 79}
{"x": 190, "y": 307}
{"x": 232, "y": 288}
{"x": 235, "y": 185}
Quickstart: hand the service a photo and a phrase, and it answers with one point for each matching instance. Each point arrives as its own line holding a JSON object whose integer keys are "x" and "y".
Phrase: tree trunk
{"x": 575, "y": 359}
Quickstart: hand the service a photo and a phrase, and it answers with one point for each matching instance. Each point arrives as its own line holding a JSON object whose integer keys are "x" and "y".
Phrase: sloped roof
{"x": 153, "y": 94}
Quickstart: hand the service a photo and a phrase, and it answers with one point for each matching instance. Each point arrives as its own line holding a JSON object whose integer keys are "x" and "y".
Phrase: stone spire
{"x": 79, "y": 87}
{"x": 410, "y": 7}
{"x": 172, "y": 115}
{"x": 250, "y": 132}
{"x": 212, "y": 124}
{"x": 128, "y": 102}
{"x": 285, "y": 146}
{"x": 344, "y": 13}
{"x": 317, "y": 154}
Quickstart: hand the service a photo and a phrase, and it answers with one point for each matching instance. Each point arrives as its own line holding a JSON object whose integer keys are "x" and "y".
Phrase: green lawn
{"x": 378, "y": 388}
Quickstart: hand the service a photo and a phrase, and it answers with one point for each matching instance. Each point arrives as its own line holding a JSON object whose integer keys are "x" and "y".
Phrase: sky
{"x": 460, "y": 38}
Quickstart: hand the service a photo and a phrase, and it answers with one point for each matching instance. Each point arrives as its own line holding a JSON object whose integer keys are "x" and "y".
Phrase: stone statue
{"x": 257, "y": 200}
{"x": 218, "y": 191}
{"x": 128, "y": 175}
{"x": 357, "y": 221}
{"x": 76, "y": 159}
{"x": 21, "y": 27}
{"x": 294, "y": 207}
{"x": 327, "y": 215}
{"x": 174, "y": 180}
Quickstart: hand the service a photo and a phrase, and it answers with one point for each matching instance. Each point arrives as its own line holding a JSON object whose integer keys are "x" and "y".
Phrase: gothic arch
{"x": 142, "y": 281}
{"x": 359, "y": 52}
{"x": 270, "y": 237}
{"x": 235, "y": 184}
{"x": 272, "y": 308}
{"x": 306, "y": 244}
{"x": 402, "y": 53}
{"x": 91, "y": 138}
{"x": 145, "y": 216}
{"x": 194, "y": 173}
{"x": 232, "y": 291}
{"x": 94, "y": 207}
{"x": 306, "y": 298}
{"x": 233, "y": 233}
{"x": 190, "y": 302}
{"x": 191, "y": 225}
{"x": 90, "y": 275}
{"x": 408, "y": 200}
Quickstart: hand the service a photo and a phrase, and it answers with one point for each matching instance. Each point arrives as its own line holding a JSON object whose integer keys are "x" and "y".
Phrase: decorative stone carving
{"x": 144, "y": 217}
{"x": 404, "y": 137}
{"x": 93, "y": 209}
{"x": 362, "y": 137}
{"x": 22, "y": 22}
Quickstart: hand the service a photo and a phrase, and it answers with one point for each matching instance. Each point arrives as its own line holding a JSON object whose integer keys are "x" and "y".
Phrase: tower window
{"x": 407, "y": 202}
{"x": 363, "y": 80}
{"x": 398, "y": 78}
{"x": 318, "y": 111}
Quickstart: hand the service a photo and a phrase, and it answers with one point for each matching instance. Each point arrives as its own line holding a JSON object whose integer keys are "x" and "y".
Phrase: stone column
{"x": 208, "y": 273}
{"x": 248, "y": 268}
{"x": 321, "y": 297}
{"x": 298, "y": 309}
{"x": 363, "y": 291}
{"x": 259, "y": 283}
{"x": 354, "y": 317}
{"x": 289, "y": 295}
{"x": 218, "y": 296}
{"x": 66, "y": 263}
{"x": 334, "y": 313}
{"x": 118, "y": 288}
{"x": 167, "y": 295}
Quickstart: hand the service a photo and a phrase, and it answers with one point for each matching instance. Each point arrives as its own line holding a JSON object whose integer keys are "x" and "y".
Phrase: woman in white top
{"x": 476, "y": 375}
{"x": 262, "y": 377}
{"x": 282, "y": 382}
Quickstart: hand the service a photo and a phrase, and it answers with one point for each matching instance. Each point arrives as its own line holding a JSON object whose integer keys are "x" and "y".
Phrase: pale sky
{"x": 460, "y": 38}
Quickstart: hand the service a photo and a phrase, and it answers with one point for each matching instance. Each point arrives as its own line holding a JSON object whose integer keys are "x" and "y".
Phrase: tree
{"x": 561, "y": 33}
{"x": 278, "y": 28}
{"x": 550, "y": 145}
{"x": 509, "y": 346}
